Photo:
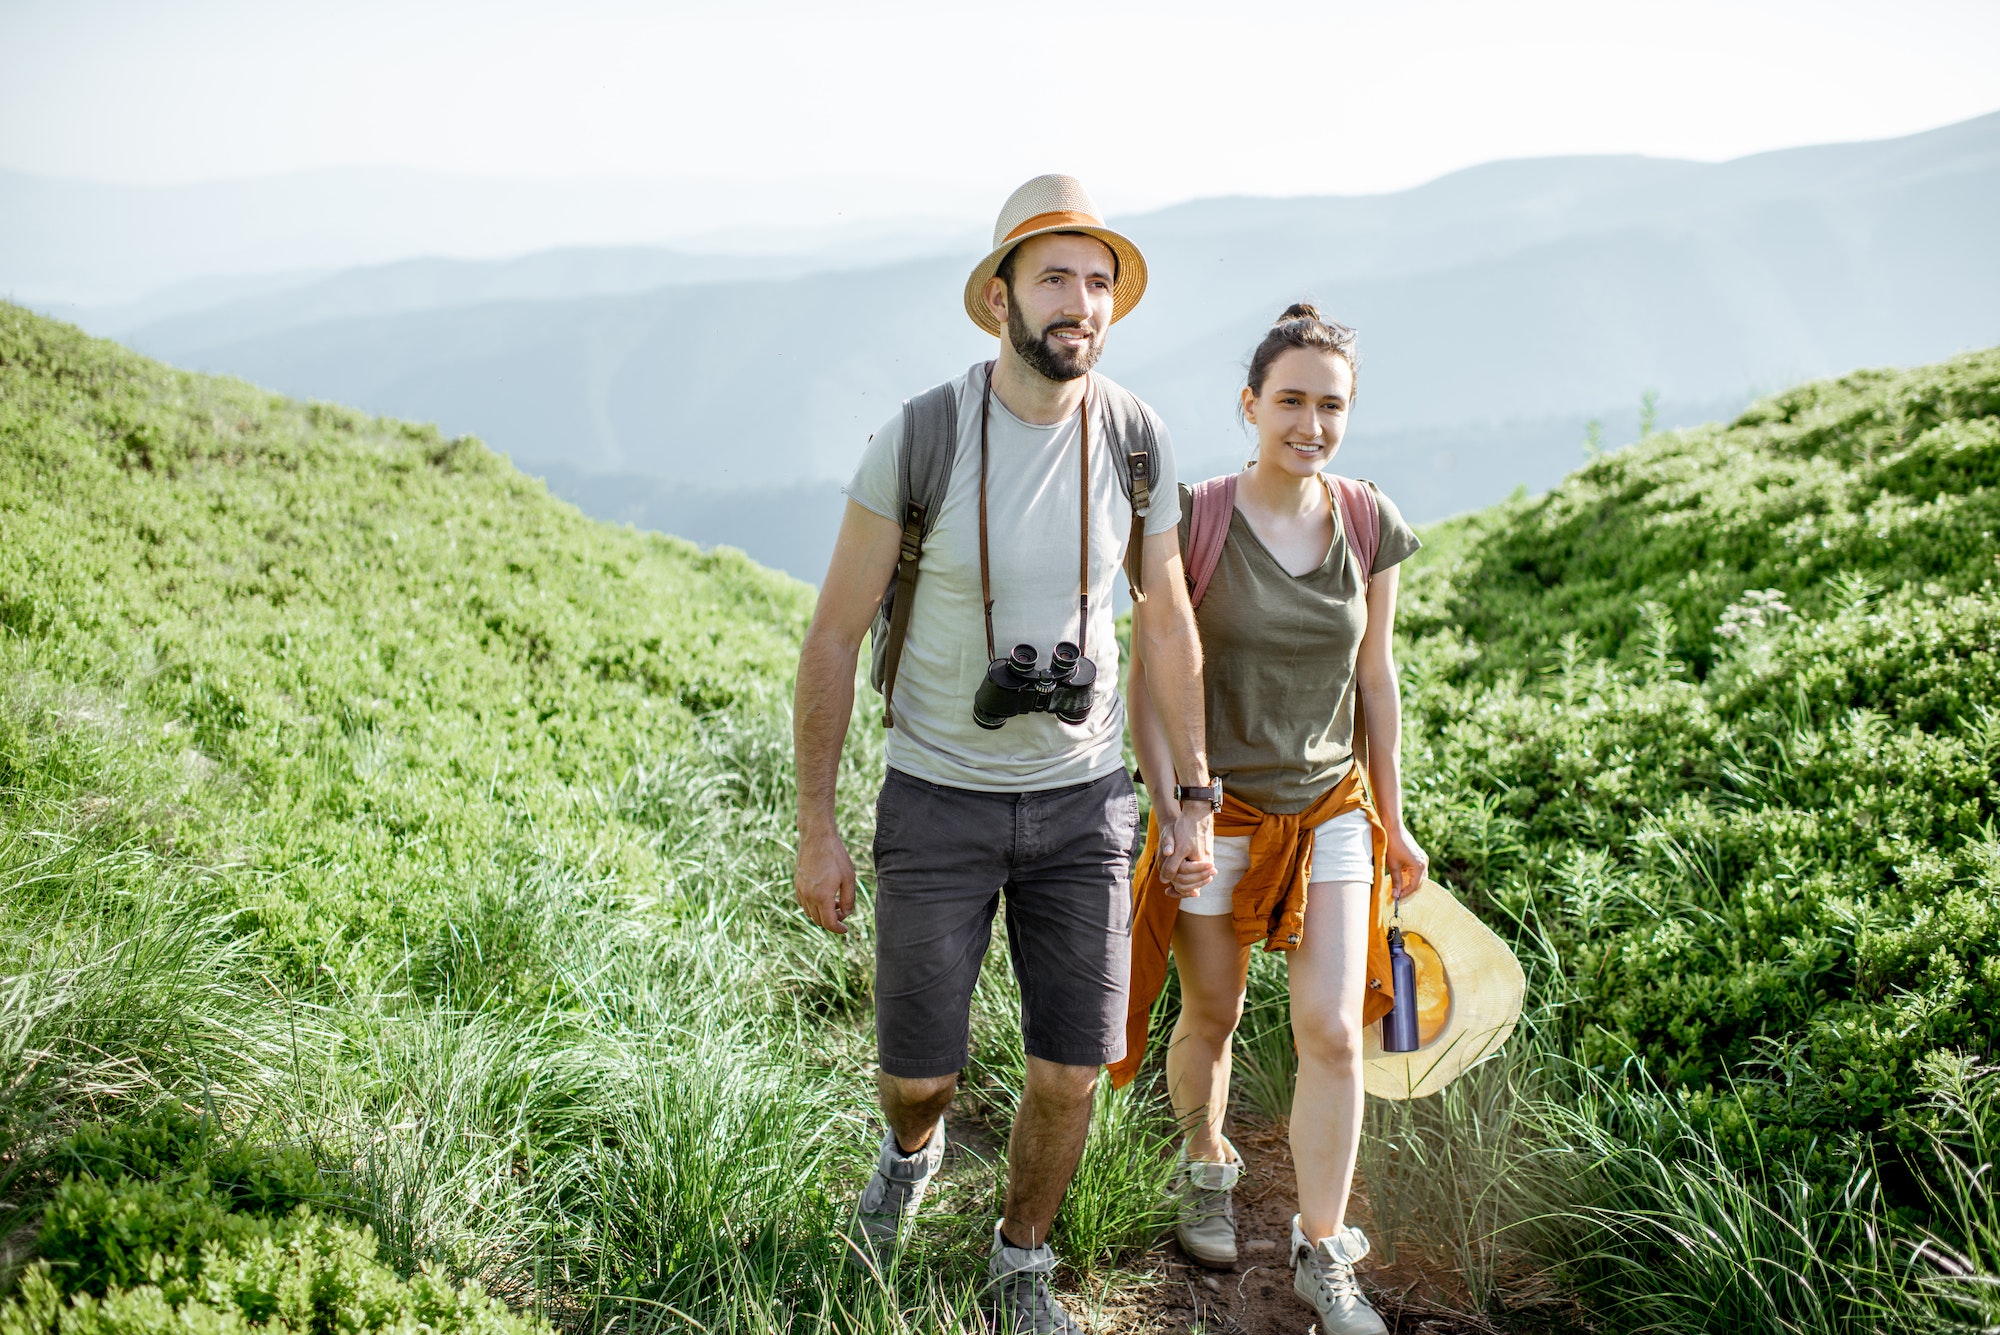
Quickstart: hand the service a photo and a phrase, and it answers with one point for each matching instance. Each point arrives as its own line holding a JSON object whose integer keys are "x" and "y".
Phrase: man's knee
{"x": 1061, "y": 1084}
{"x": 919, "y": 1094}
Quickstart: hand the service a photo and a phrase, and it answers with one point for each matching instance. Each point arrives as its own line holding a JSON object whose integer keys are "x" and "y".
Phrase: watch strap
{"x": 1210, "y": 793}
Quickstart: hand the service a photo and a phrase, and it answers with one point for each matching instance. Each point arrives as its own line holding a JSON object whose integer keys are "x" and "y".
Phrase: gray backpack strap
{"x": 923, "y": 475}
{"x": 1135, "y": 449}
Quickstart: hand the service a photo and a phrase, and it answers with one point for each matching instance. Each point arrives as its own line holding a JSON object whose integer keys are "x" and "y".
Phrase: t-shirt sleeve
{"x": 1399, "y": 541}
{"x": 873, "y": 486}
{"x": 1166, "y": 511}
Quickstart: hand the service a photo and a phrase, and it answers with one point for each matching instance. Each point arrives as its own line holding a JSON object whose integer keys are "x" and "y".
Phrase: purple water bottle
{"x": 1399, "y": 1026}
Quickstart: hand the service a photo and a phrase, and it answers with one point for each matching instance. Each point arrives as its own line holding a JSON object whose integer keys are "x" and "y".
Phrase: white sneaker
{"x": 1323, "y": 1275}
{"x": 1206, "y": 1225}
{"x": 890, "y": 1200}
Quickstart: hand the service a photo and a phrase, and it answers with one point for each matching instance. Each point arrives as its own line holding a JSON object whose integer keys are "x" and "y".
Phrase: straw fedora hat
{"x": 1469, "y": 993}
{"x": 1054, "y": 204}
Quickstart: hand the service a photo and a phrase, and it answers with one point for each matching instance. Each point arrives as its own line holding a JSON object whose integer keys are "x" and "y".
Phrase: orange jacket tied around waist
{"x": 1269, "y": 903}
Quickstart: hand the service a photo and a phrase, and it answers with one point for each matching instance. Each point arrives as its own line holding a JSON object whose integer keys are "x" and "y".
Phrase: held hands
{"x": 823, "y": 880}
{"x": 1187, "y": 848}
{"x": 1405, "y": 862}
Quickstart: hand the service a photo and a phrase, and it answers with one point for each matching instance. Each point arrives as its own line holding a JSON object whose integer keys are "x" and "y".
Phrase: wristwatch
{"x": 1212, "y": 794}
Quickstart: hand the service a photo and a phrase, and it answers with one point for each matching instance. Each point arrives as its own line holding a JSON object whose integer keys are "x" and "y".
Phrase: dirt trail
{"x": 1167, "y": 1294}
{"x": 1256, "y": 1297}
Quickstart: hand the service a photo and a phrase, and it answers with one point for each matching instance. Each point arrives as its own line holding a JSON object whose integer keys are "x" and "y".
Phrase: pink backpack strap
{"x": 1362, "y": 519}
{"x": 1208, "y": 527}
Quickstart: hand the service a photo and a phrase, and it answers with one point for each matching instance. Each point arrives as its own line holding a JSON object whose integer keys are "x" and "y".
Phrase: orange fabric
{"x": 1269, "y": 903}
{"x": 1057, "y": 219}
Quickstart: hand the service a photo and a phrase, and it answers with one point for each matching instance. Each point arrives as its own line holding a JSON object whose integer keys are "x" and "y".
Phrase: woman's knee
{"x": 1331, "y": 1039}
{"x": 1210, "y": 1020}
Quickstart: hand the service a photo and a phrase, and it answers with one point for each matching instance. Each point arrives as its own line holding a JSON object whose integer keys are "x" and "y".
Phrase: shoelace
{"x": 895, "y": 1195}
{"x": 1336, "y": 1278}
{"x": 1209, "y": 1204}
{"x": 1037, "y": 1304}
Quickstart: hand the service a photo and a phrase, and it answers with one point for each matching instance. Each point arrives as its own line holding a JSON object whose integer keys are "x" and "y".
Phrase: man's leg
{"x": 1045, "y": 1147}
{"x": 1069, "y": 930}
{"x": 940, "y": 857}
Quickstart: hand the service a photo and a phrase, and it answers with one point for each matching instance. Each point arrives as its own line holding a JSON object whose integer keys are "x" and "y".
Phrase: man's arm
{"x": 864, "y": 557}
{"x": 1164, "y": 638}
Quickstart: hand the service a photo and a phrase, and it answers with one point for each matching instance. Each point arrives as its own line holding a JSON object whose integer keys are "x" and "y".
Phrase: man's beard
{"x": 1050, "y": 360}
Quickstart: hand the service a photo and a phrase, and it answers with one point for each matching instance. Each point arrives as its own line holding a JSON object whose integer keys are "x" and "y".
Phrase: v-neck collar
{"x": 1235, "y": 513}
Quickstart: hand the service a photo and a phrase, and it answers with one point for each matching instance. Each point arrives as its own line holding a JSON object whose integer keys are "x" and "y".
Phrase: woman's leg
{"x": 1329, "y": 979}
{"x": 1212, "y": 969}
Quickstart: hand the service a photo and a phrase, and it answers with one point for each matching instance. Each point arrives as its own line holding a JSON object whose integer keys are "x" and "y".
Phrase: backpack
{"x": 923, "y": 475}
{"x": 1215, "y": 502}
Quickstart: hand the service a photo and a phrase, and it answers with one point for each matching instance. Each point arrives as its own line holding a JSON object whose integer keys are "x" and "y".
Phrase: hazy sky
{"x": 1150, "y": 102}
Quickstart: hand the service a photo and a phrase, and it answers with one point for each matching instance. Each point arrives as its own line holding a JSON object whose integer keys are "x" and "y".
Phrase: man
{"x": 1024, "y": 803}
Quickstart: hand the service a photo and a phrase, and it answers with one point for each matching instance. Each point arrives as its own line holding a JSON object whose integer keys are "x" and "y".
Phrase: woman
{"x": 1294, "y": 633}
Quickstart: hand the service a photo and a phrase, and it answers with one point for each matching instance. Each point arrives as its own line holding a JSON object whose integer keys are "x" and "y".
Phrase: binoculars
{"x": 1067, "y": 687}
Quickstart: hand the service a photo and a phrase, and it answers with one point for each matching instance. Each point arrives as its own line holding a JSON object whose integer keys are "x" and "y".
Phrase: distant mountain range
{"x": 1500, "y": 308}
{"x": 90, "y": 243}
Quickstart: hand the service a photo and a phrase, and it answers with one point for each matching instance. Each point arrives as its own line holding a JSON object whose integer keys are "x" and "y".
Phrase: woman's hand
{"x": 1182, "y": 828}
{"x": 1405, "y": 861}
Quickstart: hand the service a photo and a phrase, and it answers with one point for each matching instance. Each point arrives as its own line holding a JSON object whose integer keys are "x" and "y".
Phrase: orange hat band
{"x": 1060, "y": 218}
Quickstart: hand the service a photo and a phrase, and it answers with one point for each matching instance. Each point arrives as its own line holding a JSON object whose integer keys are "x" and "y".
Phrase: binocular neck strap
{"x": 1083, "y": 564}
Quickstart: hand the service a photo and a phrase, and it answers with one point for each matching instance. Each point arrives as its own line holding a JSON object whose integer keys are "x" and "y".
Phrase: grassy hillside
{"x": 396, "y": 872}
{"x": 417, "y": 672}
{"x": 1730, "y": 704}
{"x": 358, "y": 798}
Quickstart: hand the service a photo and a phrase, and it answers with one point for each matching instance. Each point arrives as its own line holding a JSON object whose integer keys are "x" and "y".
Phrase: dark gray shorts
{"x": 943, "y": 857}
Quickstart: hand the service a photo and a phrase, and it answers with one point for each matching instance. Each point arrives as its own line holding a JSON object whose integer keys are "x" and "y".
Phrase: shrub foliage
{"x": 1719, "y": 720}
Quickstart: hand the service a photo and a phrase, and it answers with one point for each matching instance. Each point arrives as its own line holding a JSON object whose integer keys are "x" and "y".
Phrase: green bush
{"x": 301, "y": 1274}
{"x": 173, "y": 1146}
{"x": 148, "y": 1198}
{"x": 163, "y": 1228}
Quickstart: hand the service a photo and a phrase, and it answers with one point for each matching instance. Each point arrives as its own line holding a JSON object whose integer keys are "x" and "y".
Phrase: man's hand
{"x": 823, "y": 881}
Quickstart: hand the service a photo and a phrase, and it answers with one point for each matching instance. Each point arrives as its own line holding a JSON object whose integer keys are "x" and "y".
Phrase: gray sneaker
{"x": 890, "y": 1200}
{"x": 1323, "y": 1275}
{"x": 1017, "y": 1291}
{"x": 1207, "y": 1224}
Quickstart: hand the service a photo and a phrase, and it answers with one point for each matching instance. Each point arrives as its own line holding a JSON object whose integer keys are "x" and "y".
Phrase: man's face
{"x": 1059, "y": 306}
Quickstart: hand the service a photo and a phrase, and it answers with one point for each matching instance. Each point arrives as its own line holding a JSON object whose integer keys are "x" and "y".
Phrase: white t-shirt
{"x": 1033, "y": 531}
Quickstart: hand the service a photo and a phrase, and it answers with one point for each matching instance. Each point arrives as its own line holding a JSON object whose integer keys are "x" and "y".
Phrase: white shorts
{"x": 1343, "y": 850}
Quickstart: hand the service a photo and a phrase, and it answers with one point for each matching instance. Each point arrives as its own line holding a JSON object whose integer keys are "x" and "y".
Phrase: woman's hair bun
{"x": 1299, "y": 310}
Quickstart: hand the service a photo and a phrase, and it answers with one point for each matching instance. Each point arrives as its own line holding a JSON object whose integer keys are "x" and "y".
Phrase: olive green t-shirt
{"x": 1278, "y": 654}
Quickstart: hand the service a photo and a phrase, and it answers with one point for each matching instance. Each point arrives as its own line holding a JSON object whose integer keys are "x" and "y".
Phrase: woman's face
{"x": 1302, "y": 413}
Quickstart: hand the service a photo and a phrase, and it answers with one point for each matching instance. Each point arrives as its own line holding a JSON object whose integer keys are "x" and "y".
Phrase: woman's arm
{"x": 1378, "y": 702}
